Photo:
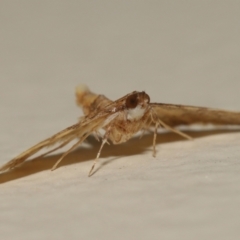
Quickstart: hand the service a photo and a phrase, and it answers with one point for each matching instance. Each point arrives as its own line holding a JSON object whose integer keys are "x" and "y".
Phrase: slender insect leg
{"x": 147, "y": 125}
{"x": 171, "y": 128}
{"x": 98, "y": 155}
{"x": 68, "y": 151}
{"x": 56, "y": 148}
{"x": 99, "y": 152}
{"x": 175, "y": 130}
{"x": 154, "y": 139}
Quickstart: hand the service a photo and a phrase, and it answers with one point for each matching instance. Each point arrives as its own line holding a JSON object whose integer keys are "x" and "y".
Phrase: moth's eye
{"x": 132, "y": 101}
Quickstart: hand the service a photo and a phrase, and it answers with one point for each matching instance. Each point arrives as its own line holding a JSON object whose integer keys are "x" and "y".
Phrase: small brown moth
{"x": 121, "y": 119}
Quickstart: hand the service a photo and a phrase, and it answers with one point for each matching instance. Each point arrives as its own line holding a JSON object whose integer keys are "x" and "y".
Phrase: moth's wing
{"x": 174, "y": 115}
{"x": 80, "y": 130}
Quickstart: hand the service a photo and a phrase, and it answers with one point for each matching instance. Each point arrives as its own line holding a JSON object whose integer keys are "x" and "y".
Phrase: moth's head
{"x": 136, "y": 104}
{"x": 137, "y": 99}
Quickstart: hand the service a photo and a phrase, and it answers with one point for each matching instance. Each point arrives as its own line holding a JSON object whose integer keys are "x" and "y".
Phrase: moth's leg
{"x": 175, "y": 130}
{"x": 68, "y": 151}
{"x": 154, "y": 139}
{"x": 95, "y": 134}
{"x": 104, "y": 140}
{"x": 142, "y": 133}
{"x": 56, "y": 148}
{"x": 156, "y": 119}
{"x": 95, "y": 161}
{"x": 146, "y": 127}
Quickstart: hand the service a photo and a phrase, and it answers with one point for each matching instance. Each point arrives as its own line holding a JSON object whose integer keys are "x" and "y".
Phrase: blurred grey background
{"x": 176, "y": 50}
{"x": 184, "y": 52}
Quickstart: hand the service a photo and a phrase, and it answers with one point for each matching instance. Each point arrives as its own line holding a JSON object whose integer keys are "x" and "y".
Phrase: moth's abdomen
{"x": 90, "y": 102}
{"x": 85, "y": 98}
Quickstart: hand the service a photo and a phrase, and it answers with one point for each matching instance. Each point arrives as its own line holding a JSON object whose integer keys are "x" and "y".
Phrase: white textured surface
{"x": 178, "y": 52}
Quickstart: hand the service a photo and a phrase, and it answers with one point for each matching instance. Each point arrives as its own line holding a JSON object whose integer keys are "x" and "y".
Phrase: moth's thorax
{"x": 130, "y": 118}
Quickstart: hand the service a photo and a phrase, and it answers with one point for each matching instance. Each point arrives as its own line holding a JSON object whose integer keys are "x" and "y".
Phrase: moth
{"x": 121, "y": 119}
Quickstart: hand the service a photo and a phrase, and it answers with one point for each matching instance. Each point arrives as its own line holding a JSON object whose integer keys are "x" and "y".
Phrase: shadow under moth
{"x": 121, "y": 119}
